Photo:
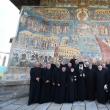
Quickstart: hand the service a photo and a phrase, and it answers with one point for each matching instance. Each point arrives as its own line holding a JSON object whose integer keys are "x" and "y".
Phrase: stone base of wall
{"x": 13, "y": 89}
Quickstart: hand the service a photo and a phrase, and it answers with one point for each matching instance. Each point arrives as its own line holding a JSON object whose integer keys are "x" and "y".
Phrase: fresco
{"x": 69, "y": 3}
{"x": 53, "y": 34}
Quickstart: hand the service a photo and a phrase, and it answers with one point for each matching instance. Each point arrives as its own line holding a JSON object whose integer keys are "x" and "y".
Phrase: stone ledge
{"x": 13, "y": 89}
{"x": 12, "y": 83}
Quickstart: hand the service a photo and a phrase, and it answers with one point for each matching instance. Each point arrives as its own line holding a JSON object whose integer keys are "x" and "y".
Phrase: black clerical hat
{"x": 81, "y": 63}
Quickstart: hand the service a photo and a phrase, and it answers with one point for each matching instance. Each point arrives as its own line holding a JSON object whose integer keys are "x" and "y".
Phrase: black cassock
{"x": 72, "y": 84}
{"x": 76, "y": 67}
{"x": 107, "y": 82}
{"x": 60, "y": 89}
{"x": 53, "y": 81}
{"x": 108, "y": 86}
{"x": 34, "y": 92}
{"x": 68, "y": 69}
{"x": 82, "y": 85}
{"x": 100, "y": 82}
{"x": 91, "y": 79}
{"x": 46, "y": 85}
{"x": 108, "y": 79}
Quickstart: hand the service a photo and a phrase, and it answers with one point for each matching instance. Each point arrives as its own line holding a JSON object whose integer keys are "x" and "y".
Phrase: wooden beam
{"x": 80, "y": 3}
{"x": 20, "y": 3}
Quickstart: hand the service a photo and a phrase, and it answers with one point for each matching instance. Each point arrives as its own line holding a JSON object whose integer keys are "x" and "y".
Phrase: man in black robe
{"x": 108, "y": 65}
{"x": 46, "y": 84}
{"x": 94, "y": 66}
{"x": 100, "y": 83}
{"x": 62, "y": 64}
{"x": 107, "y": 78}
{"x": 35, "y": 78}
{"x": 86, "y": 69}
{"x": 73, "y": 61}
{"x": 76, "y": 65}
{"x": 91, "y": 79}
{"x": 72, "y": 83}
{"x": 68, "y": 69}
{"x": 69, "y": 65}
{"x": 107, "y": 86}
{"x": 53, "y": 81}
{"x": 81, "y": 82}
{"x": 60, "y": 84}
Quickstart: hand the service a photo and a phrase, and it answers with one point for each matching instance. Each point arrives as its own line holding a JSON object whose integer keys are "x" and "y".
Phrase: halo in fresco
{"x": 82, "y": 14}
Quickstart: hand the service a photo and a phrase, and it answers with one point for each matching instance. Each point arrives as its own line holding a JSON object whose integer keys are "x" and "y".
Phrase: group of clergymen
{"x": 74, "y": 81}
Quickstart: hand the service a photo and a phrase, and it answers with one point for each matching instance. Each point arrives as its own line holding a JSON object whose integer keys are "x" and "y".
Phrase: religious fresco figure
{"x": 15, "y": 59}
{"x": 85, "y": 37}
{"x": 23, "y": 60}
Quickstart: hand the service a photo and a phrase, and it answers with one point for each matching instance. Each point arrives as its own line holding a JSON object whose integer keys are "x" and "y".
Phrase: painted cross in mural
{"x": 52, "y": 34}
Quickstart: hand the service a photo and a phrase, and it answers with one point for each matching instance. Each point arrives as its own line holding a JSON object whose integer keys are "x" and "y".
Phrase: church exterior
{"x": 57, "y": 30}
